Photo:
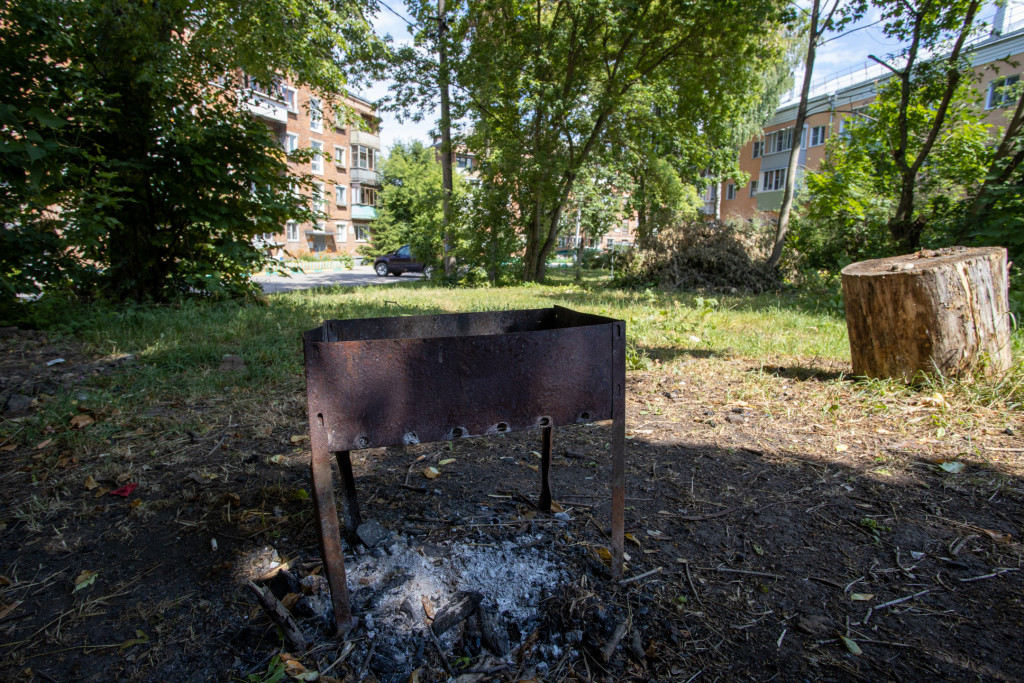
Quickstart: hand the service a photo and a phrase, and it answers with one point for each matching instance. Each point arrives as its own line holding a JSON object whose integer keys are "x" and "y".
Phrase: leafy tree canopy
{"x": 133, "y": 170}
{"x": 410, "y": 203}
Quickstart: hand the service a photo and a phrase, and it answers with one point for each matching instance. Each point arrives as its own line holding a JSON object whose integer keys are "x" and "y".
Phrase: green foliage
{"x": 133, "y": 175}
{"x": 411, "y": 205}
{"x": 848, "y": 203}
{"x": 553, "y": 90}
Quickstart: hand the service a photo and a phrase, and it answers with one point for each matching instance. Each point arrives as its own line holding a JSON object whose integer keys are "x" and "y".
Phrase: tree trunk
{"x": 943, "y": 311}
{"x": 446, "y": 137}
{"x": 794, "y": 154}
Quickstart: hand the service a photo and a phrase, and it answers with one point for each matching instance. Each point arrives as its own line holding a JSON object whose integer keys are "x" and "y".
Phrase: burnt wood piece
{"x": 400, "y": 381}
{"x": 943, "y": 310}
{"x": 464, "y": 604}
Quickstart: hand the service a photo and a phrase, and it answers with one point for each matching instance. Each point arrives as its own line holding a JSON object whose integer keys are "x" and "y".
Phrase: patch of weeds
{"x": 637, "y": 358}
{"x": 874, "y": 527}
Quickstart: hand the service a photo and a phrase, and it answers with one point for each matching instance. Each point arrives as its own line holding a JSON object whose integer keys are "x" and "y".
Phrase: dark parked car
{"x": 398, "y": 262}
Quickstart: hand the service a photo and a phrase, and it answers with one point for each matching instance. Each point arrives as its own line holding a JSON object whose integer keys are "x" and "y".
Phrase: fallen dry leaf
{"x": 8, "y": 447}
{"x": 299, "y": 438}
{"x": 431, "y": 473}
{"x": 90, "y": 483}
{"x": 81, "y": 421}
{"x": 43, "y": 444}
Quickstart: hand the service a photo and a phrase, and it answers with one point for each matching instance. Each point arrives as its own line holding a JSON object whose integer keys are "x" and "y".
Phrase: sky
{"x": 836, "y": 56}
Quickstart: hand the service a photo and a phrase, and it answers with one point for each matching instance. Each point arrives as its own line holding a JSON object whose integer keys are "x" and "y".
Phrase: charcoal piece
{"x": 464, "y": 604}
{"x": 371, "y": 533}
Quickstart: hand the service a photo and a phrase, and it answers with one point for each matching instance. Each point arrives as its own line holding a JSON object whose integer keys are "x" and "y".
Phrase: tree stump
{"x": 942, "y": 310}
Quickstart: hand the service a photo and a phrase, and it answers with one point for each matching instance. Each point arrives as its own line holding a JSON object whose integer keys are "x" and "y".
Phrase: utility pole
{"x": 446, "y": 136}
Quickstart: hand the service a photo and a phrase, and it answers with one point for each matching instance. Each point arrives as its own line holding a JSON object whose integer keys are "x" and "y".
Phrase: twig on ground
{"x": 609, "y": 648}
{"x": 701, "y": 518}
{"x": 693, "y": 588}
{"x": 214, "y": 449}
{"x": 440, "y": 652}
{"x": 626, "y": 582}
{"x": 1004, "y": 450}
{"x": 997, "y": 572}
{"x": 281, "y": 618}
{"x": 345, "y": 652}
{"x": 893, "y": 603}
{"x": 726, "y": 570}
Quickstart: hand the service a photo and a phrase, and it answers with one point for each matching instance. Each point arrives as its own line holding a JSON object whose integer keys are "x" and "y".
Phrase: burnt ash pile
{"x": 435, "y": 606}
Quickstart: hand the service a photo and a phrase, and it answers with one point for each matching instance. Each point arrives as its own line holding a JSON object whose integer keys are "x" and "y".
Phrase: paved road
{"x": 360, "y": 275}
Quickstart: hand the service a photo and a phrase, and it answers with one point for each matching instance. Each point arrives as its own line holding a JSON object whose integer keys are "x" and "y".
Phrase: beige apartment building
{"x": 998, "y": 59}
{"x": 345, "y": 165}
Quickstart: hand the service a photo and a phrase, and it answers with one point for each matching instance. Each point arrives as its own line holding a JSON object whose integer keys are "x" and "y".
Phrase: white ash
{"x": 511, "y": 576}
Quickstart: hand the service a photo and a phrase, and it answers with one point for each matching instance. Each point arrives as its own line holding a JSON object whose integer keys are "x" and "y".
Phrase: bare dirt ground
{"x": 784, "y": 523}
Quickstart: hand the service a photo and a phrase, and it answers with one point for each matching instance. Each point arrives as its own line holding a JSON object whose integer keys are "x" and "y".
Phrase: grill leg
{"x": 349, "y": 501}
{"x": 330, "y": 535}
{"x": 618, "y": 448}
{"x": 545, "y": 471}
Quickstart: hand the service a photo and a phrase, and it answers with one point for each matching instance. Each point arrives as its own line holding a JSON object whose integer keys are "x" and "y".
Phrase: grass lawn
{"x": 752, "y": 455}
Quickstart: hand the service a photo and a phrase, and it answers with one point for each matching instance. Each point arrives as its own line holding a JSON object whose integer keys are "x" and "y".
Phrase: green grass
{"x": 178, "y": 349}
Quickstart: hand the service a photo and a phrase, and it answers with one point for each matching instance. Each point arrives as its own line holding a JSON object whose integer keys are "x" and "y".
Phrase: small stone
{"x": 562, "y": 516}
{"x": 18, "y": 405}
{"x": 735, "y": 419}
{"x": 372, "y": 533}
{"x": 1010, "y": 431}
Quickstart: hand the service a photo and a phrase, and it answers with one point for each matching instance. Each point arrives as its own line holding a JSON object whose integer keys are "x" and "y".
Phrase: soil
{"x": 784, "y": 524}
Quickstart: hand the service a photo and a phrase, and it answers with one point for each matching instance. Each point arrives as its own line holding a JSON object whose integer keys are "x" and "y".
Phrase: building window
{"x": 363, "y": 157}
{"x": 316, "y": 115}
{"x": 730, "y": 191}
{"x": 1002, "y": 92}
{"x": 292, "y": 231}
{"x": 288, "y": 95}
{"x": 778, "y": 141}
{"x": 753, "y": 188}
{"x": 339, "y": 195}
{"x": 362, "y": 232}
{"x": 291, "y": 142}
{"x": 342, "y": 229}
{"x": 818, "y": 136}
{"x": 339, "y": 156}
{"x": 758, "y": 148}
{"x": 317, "y": 162}
{"x": 464, "y": 161}
{"x": 366, "y": 196}
{"x": 319, "y": 198}
{"x": 773, "y": 180}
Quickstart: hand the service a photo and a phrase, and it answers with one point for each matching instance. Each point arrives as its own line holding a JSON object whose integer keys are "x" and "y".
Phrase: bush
{"x": 702, "y": 255}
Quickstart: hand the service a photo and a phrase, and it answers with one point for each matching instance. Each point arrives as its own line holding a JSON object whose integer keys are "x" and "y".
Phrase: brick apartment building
{"x": 346, "y": 179}
{"x": 837, "y": 98}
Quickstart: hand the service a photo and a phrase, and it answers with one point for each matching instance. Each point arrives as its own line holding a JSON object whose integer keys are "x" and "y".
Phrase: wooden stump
{"x": 944, "y": 310}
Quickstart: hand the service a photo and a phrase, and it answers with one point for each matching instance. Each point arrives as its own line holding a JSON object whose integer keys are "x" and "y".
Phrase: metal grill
{"x": 398, "y": 381}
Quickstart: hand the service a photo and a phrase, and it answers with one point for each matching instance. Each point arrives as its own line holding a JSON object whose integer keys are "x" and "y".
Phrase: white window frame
{"x": 773, "y": 180}
{"x": 730, "y": 191}
{"x": 758, "y": 150}
{"x": 340, "y": 196}
{"x": 363, "y": 157}
{"x": 753, "y": 188}
{"x": 316, "y": 164}
{"x": 342, "y": 229}
{"x": 361, "y": 230}
{"x": 818, "y": 136}
{"x": 998, "y": 96}
{"x": 291, "y": 229}
{"x": 339, "y": 156}
{"x": 319, "y": 198}
{"x": 290, "y": 97}
{"x": 316, "y": 115}
{"x": 291, "y": 142}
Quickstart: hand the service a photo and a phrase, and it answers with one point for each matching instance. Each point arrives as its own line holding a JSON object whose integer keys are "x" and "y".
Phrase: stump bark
{"x": 944, "y": 310}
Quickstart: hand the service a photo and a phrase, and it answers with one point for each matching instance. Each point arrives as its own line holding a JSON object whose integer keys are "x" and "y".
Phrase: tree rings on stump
{"x": 943, "y": 310}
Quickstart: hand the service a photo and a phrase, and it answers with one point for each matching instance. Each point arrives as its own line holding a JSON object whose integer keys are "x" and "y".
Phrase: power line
{"x": 388, "y": 8}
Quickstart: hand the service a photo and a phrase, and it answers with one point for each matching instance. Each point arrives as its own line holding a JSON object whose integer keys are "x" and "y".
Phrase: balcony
{"x": 265, "y": 107}
{"x": 360, "y": 137}
{"x": 363, "y": 212}
{"x": 361, "y": 175}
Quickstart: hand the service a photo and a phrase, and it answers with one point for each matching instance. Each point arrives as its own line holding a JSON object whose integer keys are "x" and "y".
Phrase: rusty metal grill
{"x": 399, "y": 381}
